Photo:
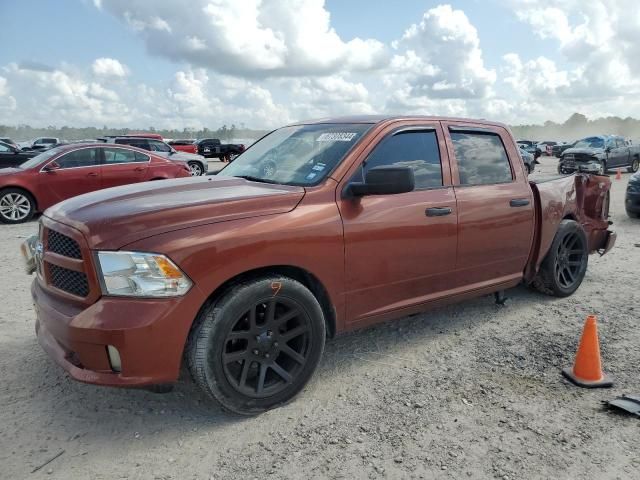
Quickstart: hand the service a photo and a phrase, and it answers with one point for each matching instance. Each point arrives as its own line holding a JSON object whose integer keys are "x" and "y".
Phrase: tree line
{"x": 21, "y": 133}
{"x": 575, "y": 127}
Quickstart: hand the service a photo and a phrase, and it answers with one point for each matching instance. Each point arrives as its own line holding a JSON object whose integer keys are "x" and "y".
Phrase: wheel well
{"x": 570, "y": 216}
{"x": 17, "y": 187}
{"x": 307, "y": 279}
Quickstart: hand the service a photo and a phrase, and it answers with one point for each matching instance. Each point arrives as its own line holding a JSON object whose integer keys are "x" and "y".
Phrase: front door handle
{"x": 139, "y": 169}
{"x": 92, "y": 174}
{"x": 519, "y": 202}
{"x": 437, "y": 211}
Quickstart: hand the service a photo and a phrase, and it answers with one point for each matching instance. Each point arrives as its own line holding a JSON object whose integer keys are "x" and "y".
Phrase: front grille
{"x": 63, "y": 245}
{"x": 68, "y": 281}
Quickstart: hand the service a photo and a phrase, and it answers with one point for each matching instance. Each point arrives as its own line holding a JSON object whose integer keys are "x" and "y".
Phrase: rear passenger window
{"x": 415, "y": 149}
{"x": 120, "y": 155}
{"x": 481, "y": 157}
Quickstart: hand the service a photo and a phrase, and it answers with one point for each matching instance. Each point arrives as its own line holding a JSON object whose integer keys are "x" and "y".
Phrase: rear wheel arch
{"x": 306, "y": 278}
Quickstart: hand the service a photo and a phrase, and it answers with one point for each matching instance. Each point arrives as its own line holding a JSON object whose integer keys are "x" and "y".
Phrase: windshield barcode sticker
{"x": 336, "y": 137}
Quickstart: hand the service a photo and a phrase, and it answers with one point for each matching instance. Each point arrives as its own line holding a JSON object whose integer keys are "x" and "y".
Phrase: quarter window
{"x": 122, "y": 155}
{"x": 481, "y": 157}
{"x": 84, "y": 157}
{"x": 415, "y": 149}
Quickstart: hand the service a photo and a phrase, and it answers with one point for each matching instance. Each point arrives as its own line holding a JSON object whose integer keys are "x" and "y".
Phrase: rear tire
{"x": 196, "y": 169}
{"x": 258, "y": 345}
{"x": 635, "y": 165}
{"x": 565, "y": 265}
{"x": 16, "y": 206}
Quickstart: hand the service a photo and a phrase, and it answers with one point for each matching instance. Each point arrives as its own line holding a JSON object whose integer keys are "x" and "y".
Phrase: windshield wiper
{"x": 256, "y": 179}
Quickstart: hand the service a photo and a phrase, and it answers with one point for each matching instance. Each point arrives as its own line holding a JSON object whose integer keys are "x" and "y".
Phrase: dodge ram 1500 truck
{"x": 361, "y": 220}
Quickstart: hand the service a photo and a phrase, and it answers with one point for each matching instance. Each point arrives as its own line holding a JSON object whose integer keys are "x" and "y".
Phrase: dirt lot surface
{"x": 469, "y": 391}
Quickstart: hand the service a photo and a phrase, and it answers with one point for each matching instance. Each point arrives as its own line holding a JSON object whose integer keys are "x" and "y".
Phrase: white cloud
{"x": 251, "y": 38}
{"x": 109, "y": 67}
{"x": 442, "y": 57}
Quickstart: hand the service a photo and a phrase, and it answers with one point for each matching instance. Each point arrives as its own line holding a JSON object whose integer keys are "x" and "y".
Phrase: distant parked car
{"x": 197, "y": 163}
{"x": 12, "y": 156}
{"x": 530, "y": 147}
{"x": 632, "y": 200}
{"x": 69, "y": 170}
{"x": 42, "y": 143}
{"x": 546, "y": 147}
{"x": 600, "y": 153}
{"x": 9, "y": 141}
{"x": 213, "y": 148}
{"x": 528, "y": 159}
{"x": 560, "y": 148}
{"x": 188, "y": 146}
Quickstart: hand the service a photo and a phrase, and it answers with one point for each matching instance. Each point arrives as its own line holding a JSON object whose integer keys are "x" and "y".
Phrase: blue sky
{"x": 261, "y": 61}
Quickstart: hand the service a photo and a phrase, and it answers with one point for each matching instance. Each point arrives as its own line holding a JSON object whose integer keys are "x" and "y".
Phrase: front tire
{"x": 257, "y": 346}
{"x": 565, "y": 265}
{"x": 635, "y": 165}
{"x": 16, "y": 206}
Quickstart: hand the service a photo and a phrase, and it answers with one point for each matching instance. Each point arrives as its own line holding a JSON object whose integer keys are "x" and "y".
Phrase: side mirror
{"x": 51, "y": 167}
{"x": 384, "y": 181}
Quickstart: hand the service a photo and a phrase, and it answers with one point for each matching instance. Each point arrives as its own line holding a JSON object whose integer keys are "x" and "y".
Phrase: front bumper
{"x": 150, "y": 335}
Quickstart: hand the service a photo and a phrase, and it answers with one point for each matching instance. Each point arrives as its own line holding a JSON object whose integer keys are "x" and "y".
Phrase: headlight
{"x": 139, "y": 274}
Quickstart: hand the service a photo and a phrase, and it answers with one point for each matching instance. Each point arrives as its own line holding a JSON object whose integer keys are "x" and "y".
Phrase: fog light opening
{"x": 114, "y": 358}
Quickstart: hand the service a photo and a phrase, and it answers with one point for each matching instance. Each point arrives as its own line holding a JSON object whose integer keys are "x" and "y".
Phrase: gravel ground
{"x": 472, "y": 390}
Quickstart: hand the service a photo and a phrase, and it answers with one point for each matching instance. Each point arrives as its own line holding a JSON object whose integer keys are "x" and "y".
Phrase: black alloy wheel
{"x": 569, "y": 259}
{"x": 565, "y": 264}
{"x": 257, "y": 346}
{"x": 267, "y": 347}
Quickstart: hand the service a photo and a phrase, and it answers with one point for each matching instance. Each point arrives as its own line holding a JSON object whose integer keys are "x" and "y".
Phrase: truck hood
{"x": 115, "y": 217}
{"x": 583, "y": 151}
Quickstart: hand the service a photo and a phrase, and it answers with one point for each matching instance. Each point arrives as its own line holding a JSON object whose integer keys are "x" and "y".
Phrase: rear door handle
{"x": 519, "y": 202}
{"x": 437, "y": 211}
{"x": 92, "y": 174}
{"x": 139, "y": 169}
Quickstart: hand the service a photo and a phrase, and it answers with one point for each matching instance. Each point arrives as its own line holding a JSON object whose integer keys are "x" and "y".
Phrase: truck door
{"x": 495, "y": 205}
{"x": 400, "y": 250}
{"x": 619, "y": 153}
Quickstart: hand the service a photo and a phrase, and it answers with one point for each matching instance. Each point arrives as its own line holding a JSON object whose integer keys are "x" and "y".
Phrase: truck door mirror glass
{"x": 384, "y": 181}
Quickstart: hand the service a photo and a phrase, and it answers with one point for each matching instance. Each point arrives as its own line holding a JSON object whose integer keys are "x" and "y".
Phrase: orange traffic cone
{"x": 587, "y": 369}
{"x": 619, "y": 174}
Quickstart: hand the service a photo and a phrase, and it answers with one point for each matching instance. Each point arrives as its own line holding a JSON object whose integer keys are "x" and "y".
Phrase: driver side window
{"x": 417, "y": 149}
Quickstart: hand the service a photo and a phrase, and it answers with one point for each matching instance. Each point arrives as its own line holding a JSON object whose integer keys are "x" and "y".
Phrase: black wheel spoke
{"x": 281, "y": 372}
{"x": 271, "y": 312}
{"x": 575, "y": 263}
{"x": 238, "y": 335}
{"x": 245, "y": 370}
{"x": 296, "y": 332}
{"x": 252, "y": 318}
{"x": 261, "y": 378}
{"x": 234, "y": 356}
{"x": 568, "y": 275}
{"x": 287, "y": 316}
{"x": 287, "y": 350}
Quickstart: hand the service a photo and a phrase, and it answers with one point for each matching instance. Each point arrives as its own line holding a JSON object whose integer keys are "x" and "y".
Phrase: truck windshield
{"x": 297, "y": 155}
{"x": 591, "y": 142}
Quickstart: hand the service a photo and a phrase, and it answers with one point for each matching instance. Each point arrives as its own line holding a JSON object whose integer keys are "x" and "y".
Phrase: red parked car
{"x": 66, "y": 171}
{"x": 188, "y": 146}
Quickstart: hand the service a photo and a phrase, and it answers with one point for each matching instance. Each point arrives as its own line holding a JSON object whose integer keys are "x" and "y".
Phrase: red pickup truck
{"x": 317, "y": 229}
